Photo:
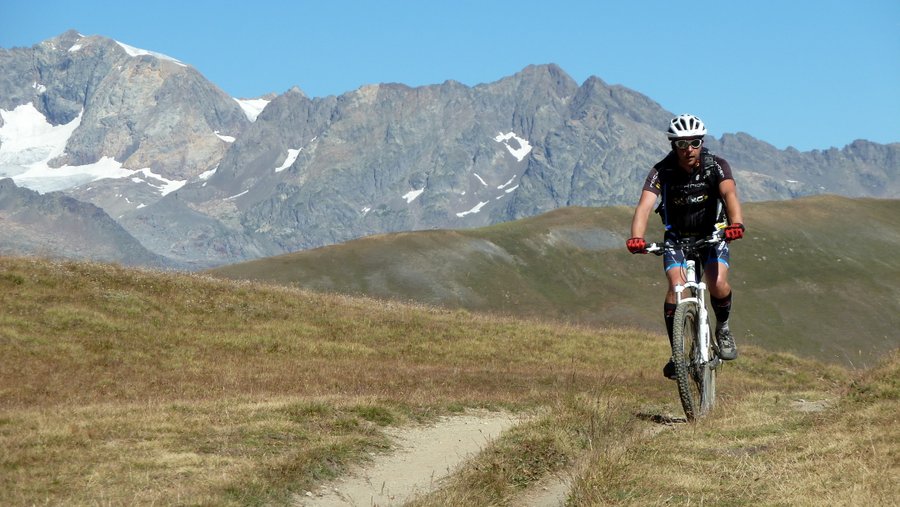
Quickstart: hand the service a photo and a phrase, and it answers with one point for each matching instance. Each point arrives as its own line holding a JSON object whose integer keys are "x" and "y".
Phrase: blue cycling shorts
{"x": 673, "y": 257}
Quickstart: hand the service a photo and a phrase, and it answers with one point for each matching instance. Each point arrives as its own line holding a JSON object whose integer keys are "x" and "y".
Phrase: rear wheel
{"x": 696, "y": 379}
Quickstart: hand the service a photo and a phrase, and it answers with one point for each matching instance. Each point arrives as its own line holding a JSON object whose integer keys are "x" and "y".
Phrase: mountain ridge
{"x": 201, "y": 183}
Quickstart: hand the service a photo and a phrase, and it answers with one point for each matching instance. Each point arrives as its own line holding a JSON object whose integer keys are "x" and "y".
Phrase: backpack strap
{"x": 663, "y": 210}
{"x": 711, "y": 168}
{"x": 712, "y": 173}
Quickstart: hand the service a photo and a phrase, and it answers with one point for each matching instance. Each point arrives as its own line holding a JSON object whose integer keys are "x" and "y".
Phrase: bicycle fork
{"x": 699, "y": 298}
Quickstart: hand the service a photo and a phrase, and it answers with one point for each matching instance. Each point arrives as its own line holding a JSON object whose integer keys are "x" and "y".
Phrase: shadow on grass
{"x": 666, "y": 419}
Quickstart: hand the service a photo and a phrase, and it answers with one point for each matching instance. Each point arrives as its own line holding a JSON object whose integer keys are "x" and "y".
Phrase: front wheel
{"x": 696, "y": 379}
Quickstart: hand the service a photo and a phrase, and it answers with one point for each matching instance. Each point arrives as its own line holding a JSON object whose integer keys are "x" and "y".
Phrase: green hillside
{"x": 122, "y": 386}
{"x": 816, "y": 276}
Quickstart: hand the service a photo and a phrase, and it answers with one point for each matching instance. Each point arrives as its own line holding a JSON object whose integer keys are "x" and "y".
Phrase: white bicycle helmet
{"x": 686, "y": 125}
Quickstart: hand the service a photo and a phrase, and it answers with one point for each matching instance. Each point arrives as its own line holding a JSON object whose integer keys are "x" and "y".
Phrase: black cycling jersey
{"x": 691, "y": 204}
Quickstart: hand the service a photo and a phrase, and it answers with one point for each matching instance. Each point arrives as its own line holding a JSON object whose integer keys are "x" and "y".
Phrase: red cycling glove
{"x": 636, "y": 245}
{"x": 734, "y": 231}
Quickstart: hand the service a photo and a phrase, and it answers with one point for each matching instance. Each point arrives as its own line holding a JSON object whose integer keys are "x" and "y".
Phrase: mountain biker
{"x": 697, "y": 196}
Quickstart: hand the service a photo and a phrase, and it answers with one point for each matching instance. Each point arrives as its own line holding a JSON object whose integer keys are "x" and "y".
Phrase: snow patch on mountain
{"x": 501, "y": 187}
{"x": 28, "y": 139}
{"x": 476, "y": 209}
{"x": 48, "y": 179}
{"x": 30, "y": 142}
{"x": 519, "y": 148}
{"x": 227, "y": 139}
{"x": 135, "y": 52}
{"x": 289, "y": 161}
{"x": 205, "y": 175}
{"x": 165, "y": 186}
{"x": 252, "y": 107}
{"x": 412, "y": 195}
{"x": 235, "y": 196}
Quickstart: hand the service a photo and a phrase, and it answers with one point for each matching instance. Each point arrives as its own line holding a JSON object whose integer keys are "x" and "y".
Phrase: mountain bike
{"x": 694, "y": 352}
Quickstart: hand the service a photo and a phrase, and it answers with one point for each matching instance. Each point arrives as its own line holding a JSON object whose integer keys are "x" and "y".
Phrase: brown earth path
{"x": 425, "y": 455}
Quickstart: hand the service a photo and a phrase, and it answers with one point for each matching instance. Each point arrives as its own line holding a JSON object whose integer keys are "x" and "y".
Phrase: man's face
{"x": 688, "y": 151}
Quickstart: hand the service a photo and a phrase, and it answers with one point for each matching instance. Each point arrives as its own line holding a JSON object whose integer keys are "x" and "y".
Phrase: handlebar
{"x": 687, "y": 244}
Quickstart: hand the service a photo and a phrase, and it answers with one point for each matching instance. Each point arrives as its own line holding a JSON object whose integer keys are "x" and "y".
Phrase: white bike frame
{"x": 699, "y": 298}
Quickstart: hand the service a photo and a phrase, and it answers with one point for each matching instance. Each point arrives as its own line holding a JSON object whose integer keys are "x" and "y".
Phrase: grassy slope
{"x": 132, "y": 387}
{"x": 818, "y": 276}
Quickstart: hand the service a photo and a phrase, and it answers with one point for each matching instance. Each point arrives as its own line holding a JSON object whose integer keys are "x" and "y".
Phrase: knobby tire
{"x": 696, "y": 381}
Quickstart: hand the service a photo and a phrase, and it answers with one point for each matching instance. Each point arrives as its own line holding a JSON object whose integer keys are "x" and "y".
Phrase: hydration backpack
{"x": 691, "y": 204}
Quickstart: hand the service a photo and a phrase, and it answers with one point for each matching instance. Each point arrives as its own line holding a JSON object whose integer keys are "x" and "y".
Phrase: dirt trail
{"x": 426, "y": 455}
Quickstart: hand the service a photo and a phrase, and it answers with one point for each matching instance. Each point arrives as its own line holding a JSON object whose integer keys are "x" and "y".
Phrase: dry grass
{"x": 84, "y": 334}
{"x": 823, "y": 446}
{"x": 133, "y": 387}
{"x": 120, "y": 385}
{"x": 229, "y": 452}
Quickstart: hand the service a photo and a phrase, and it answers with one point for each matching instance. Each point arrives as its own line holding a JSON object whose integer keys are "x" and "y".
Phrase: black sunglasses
{"x": 682, "y": 144}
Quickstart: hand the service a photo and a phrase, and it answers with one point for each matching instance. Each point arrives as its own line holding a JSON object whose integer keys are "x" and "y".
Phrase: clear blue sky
{"x": 805, "y": 73}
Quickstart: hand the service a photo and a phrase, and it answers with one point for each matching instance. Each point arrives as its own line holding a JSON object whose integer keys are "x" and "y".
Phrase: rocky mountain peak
{"x": 200, "y": 177}
{"x": 129, "y": 110}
